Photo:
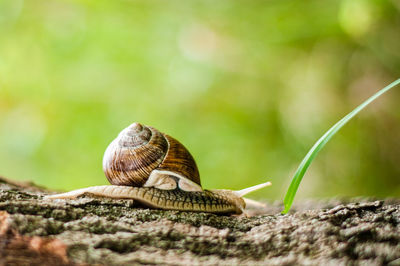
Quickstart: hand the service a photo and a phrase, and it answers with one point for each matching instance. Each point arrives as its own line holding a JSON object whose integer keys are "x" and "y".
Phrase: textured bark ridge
{"x": 95, "y": 231}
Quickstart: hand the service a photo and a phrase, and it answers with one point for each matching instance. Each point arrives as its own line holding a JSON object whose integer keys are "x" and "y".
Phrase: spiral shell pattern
{"x": 138, "y": 150}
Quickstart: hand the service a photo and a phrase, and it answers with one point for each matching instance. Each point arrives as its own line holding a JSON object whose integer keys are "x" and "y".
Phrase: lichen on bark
{"x": 115, "y": 232}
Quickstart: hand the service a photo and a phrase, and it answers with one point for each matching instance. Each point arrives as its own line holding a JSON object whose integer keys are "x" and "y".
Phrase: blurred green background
{"x": 247, "y": 86}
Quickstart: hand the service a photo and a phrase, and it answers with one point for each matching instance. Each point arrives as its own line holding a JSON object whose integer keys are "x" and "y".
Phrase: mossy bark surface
{"x": 100, "y": 231}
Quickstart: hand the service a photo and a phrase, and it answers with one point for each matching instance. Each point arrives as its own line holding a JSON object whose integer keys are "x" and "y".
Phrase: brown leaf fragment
{"x": 16, "y": 249}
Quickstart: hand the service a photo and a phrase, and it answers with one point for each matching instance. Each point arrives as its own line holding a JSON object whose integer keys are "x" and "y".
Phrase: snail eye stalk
{"x": 245, "y": 191}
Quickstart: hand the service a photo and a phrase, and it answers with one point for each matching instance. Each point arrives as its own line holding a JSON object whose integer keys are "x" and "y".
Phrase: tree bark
{"x": 100, "y": 231}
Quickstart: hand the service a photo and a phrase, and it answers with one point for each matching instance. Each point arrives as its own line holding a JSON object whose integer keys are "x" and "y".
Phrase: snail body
{"x": 159, "y": 172}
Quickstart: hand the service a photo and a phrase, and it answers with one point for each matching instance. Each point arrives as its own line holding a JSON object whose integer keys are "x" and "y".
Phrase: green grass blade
{"x": 301, "y": 170}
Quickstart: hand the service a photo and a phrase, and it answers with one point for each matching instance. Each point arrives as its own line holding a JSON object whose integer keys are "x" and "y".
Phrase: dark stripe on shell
{"x": 179, "y": 160}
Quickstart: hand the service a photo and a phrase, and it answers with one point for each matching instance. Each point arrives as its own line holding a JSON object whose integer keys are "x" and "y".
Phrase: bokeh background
{"x": 247, "y": 86}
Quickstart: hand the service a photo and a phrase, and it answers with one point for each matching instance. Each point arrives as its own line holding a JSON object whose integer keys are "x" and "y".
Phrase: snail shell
{"x": 142, "y": 156}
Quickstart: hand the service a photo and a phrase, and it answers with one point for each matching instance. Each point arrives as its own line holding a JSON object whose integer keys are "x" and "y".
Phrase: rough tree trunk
{"x": 102, "y": 231}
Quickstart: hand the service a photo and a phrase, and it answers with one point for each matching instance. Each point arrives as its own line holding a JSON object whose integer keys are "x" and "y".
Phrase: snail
{"x": 156, "y": 170}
